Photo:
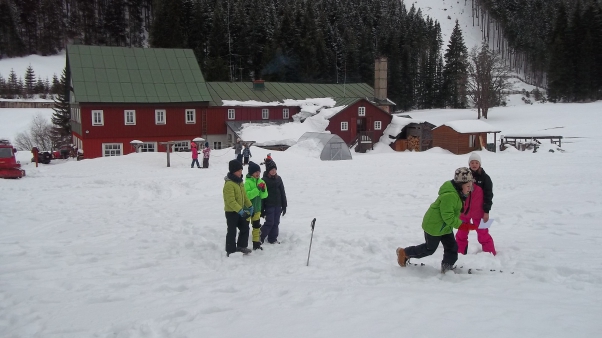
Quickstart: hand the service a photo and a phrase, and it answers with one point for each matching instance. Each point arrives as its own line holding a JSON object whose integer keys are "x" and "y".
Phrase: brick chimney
{"x": 380, "y": 83}
{"x": 258, "y": 84}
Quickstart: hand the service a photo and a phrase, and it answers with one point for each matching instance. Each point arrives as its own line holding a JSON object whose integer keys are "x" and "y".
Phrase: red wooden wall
{"x": 350, "y": 115}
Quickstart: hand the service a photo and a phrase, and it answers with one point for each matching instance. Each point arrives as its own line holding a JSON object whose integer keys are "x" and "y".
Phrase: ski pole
{"x": 313, "y": 224}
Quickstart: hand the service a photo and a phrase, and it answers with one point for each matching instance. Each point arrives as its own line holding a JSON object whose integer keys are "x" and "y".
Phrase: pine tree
{"x": 166, "y": 30}
{"x": 62, "y": 115}
{"x": 13, "y": 85}
{"x": 115, "y": 24}
{"x": 455, "y": 70}
{"x": 30, "y": 83}
{"x": 559, "y": 69}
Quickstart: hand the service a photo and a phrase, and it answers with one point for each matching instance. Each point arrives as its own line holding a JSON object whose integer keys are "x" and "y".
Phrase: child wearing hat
{"x": 477, "y": 207}
{"x": 439, "y": 221}
{"x": 256, "y": 191}
{"x": 195, "y": 155}
{"x": 238, "y": 208}
{"x": 274, "y": 205}
{"x": 206, "y": 154}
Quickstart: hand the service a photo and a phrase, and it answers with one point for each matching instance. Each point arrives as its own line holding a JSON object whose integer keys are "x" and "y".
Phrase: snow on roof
{"x": 318, "y": 102}
{"x": 471, "y": 126}
{"x": 395, "y": 127}
{"x": 530, "y": 135}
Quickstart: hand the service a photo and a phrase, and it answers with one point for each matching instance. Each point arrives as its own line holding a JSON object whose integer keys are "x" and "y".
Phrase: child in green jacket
{"x": 256, "y": 191}
{"x": 440, "y": 220}
{"x": 238, "y": 208}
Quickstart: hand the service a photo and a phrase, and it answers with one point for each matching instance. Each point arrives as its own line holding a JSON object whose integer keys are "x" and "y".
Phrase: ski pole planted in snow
{"x": 313, "y": 224}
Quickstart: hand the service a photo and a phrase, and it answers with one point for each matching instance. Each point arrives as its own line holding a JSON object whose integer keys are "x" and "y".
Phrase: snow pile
{"x": 309, "y": 148}
{"x": 471, "y": 126}
{"x": 395, "y": 127}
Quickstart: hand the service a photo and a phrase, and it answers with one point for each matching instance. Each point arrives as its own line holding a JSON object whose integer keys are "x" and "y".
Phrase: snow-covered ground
{"x": 126, "y": 247}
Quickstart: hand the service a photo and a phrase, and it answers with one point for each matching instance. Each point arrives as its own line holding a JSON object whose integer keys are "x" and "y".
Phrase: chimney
{"x": 258, "y": 84}
{"x": 380, "y": 82}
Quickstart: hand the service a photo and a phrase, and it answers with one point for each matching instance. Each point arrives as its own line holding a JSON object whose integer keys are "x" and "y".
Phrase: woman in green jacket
{"x": 440, "y": 220}
{"x": 238, "y": 208}
{"x": 256, "y": 191}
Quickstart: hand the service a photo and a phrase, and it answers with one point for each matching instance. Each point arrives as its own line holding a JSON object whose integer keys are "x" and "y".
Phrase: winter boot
{"x": 402, "y": 259}
{"x": 257, "y": 246}
{"x": 445, "y": 267}
{"x": 245, "y": 251}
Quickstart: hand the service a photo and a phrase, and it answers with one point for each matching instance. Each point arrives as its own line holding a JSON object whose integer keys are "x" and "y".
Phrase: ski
{"x": 461, "y": 269}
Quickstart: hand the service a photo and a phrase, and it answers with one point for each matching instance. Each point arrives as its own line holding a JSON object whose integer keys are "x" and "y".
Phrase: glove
{"x": 250, "y": 210}
{"x": 283, "y": 211}
{"x": 261, "y": 186}
{"x": 243, "y": 213}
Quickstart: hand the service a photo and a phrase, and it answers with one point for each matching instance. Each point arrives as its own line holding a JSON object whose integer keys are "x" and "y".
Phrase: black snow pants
{"x": 234, "y": 222}
{"x": 450, "y": 247}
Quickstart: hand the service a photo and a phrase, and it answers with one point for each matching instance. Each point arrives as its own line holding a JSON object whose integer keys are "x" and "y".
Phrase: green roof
{"x": 135, "y": 75}
{"x": 343, "y": 94}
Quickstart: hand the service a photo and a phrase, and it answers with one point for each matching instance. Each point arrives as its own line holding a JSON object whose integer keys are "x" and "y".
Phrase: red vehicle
{"x": 9, "y": 168}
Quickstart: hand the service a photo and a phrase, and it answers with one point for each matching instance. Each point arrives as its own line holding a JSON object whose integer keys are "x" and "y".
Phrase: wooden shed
{"x": 464, "y": 136}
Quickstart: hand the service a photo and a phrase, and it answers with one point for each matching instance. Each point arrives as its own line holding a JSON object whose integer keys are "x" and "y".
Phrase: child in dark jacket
{"x": 274, "y": 205}
{"x": 440, "y": 220}
{"x": 477, "y": 207}
{"x": 246, "y": 153}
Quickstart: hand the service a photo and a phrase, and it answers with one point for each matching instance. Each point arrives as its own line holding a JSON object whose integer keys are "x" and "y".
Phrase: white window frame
{"x": 377, "y": 125}
{"x": 125, "y": 117}
{"x": 265, "y": 113}
{"x": 98, "y": 118}
{"x": 344, "y": 126}
{"x": 180, "y": 146}
{"x": 163, "y": 114}
{"x": 361, "y": 111}
{"x": 112, "y": 152}
{"x": 471, "y": 140}
{"x": 193, "y": 114}
{"x": 148, "y": 147}
{"x": 217, "y": 145}
{"x": 285, "y": 114}
{"x": 231, "y": 114}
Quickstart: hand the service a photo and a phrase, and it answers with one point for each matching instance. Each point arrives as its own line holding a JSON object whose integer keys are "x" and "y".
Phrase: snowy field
{"x": 126, "y": 247}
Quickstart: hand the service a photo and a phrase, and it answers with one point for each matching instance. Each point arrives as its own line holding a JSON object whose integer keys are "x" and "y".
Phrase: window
{"x": 217, "y": 145}
{"x": 231, "y": 114}
{"x": 285, "y": 114}
{"x": 111, "y": 149}
{"x": 159, "y": 116}
{"x": 181, "y": 146}
{"x": 97, "y": 118}
{"x": 265, "y": 114}
{"x": 130, "y": 117}
{"x": 75, "y": 115}
{"x": 471, "y": 140}
{"x": 361, "y": 111}
{"x": 344, "y": 126}
{"x": 377, "y": 125}
{"x": 150, "y": 147}
{"x": 190, "y": 116}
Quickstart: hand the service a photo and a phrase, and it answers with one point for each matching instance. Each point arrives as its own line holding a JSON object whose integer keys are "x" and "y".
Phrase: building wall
{"x": 447, "y": 138}
{"x": 351, "y": 115}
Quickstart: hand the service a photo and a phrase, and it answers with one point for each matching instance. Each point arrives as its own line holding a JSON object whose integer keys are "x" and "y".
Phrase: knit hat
{"x": 474, "y": 157}
{"x": 206, "y": 144}
{"x": 270, "y": 165}
{"x": 234, "y": 166}
{"x": 463, "y": 175}
{"x": 253, "y": 167}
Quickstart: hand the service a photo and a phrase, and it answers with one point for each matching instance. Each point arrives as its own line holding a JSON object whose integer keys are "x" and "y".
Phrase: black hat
{"x": 253, "y": 167}
{"x": 234, "y": 166}
{"x": 269, "y": 165}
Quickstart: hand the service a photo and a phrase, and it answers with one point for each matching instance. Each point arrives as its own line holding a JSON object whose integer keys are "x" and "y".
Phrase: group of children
{"x": 461, "y": 204}
{"x": 242, "y": 152}
{"x": 195, "y": 155}
{"x": 251, "y": 200}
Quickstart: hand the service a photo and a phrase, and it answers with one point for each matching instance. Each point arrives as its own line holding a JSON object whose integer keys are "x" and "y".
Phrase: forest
{"x": 324, "y": 41}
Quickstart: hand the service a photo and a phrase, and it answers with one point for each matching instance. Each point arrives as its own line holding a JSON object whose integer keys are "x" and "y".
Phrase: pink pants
{"x": 482, "y": 235}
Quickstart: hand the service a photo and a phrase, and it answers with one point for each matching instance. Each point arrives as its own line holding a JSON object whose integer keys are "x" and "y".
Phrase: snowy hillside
{"x": 126, "y": 247}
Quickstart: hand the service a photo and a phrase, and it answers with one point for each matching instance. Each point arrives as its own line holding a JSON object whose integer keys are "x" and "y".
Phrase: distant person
{"x": 206, "y": 154}
{"x": 246, "y": 154}
{"x": 439, "y": 221}
{"x": 237, "y": 150}
{"x": 274, "y": 205}
{"x": 267, "y": 160}
{"x": 256, "y": 191}
{"x": 195, "y": 155}
{"x": 477, "y": 207}
{"x": 238, "y": 208}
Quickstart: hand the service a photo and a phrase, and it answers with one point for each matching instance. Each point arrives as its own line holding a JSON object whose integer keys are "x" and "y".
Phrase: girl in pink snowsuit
{"x": 476, "y": 207}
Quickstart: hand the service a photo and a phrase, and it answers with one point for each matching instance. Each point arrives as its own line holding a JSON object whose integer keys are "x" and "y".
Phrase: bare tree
{"x": 40, "y": 135}
{"x": 487, "y": 78}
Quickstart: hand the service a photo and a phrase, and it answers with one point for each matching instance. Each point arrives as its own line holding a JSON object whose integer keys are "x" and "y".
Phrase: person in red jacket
{"x": 476, "y": 207}
{"x": 195, "y": 155}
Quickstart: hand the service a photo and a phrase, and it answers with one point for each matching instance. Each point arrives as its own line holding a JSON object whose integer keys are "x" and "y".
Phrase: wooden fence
{"x": 21, "y": 104}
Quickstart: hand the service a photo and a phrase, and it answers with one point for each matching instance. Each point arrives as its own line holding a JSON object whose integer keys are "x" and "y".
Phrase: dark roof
{"x": 343, "y": 94}
{"x": 140, "y": 75}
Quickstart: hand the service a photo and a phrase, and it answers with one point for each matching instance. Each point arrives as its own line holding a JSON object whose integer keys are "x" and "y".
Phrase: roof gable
{"x": 135, "y": 75}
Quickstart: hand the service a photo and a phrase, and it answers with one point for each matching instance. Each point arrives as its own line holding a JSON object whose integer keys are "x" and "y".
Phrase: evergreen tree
{"x": 166, "y": 29}
{"x": 455, "y": 70}
{"x": 115, "y": 24}
{"x": 13, "y": 85}
{"x": 55, "y": 88}
{"x": 559, "y": 70}
{"x": 30, "y": 83}
{"x": 11, "y": 43}
{"x": 62, "y": 115}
